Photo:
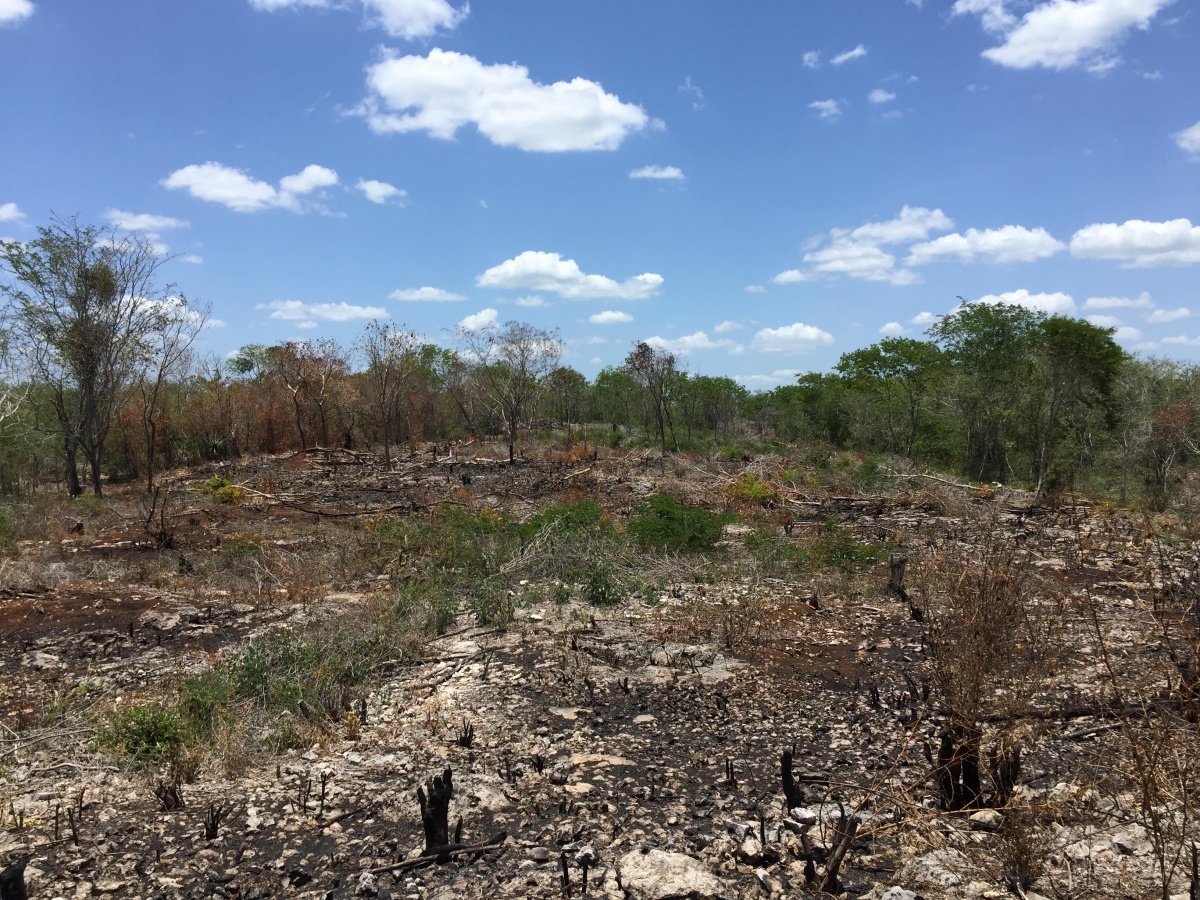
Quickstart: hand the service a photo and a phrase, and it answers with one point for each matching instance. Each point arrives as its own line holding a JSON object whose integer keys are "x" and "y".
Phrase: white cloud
{"x": 728, "y": 325}
{"x": 1138, "y": 245}
{"x": 923, "y": 319}
{"x": 693, "y": 90}
{"x": 859, "y": 252}
{"x": 298, "y": 311}
{"x": 1168, "y": 315}
{"x": 664, "y": 173}
{"x": 688, "y": 343}
{"x": 827, "y": 109}
{"x": 879, "y": 95}
{"x": 1062, "y": 34}
{"x": 812, "y": 59}
{"x": 891, "y": 329}
{"x": 795, "y": 338}
{"x": 535, "y": 300}
{"x": 766, "y": 382}
{"x": 1056, "y": 304}
{"x": 10, "y": 212}
{"x": 1104, "y": 321}
{"x": 191, "y": 259}
{"x": 238, "y": 191}
{"x": 1011, "y": 243}
{"x": 13, "y": 12}
{"x": 1182, "y": 339}
{"x": 610, "y": 317}
{"x": 425, "y": 294}
{"x": 409, "y": 19}
{"x": 444, "y": 91}
{"x": 857, "y": 53}
{"x": 1127, "y": 333}
{"x": 539, "y": 271}
{"x": 1189, "y": 139}
{"x": 485, "y": 318}
{"x": 142, "y": 221}
{"x": 380, "y": 191}
{"x": 755, "y": 289}
{"x": 1142, "y": 301}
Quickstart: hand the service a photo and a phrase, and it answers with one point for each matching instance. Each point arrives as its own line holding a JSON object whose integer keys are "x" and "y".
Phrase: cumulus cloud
{"x": 380, "y": 191}
{"x": 859, "y": 252}
{"x": 1061, "y": 34}
{"x": 298, "y": 311}
{"x": 240, "y": 192}
{"x": 425, "y": 295}
{"x": 1104, "y": 321}
{"x": 795, "y": 338}
{"x": 13, "y": 12}
{"x": 10, "y": 212}
{"x": 812, "y": 59}
{"x": 444, "y": 91}
{"x": 660, "y": 173}
{"x": 1189, "y": 140}
{"x": 728, "y": 325}
{"x": 138, "y": 221}
{"x": 755, "y": 289}
{"x": 1011, "y": 243}
{"x": 827, "y": 109}
{"x": 485, "y": 318}
{"x": 1182, "y": 339}
{"x": 1142, "y": 301}
{"x": 1160, "y": 316}
{"x": 857, "y": 53}
{"x": 535, "y": 300}
{"x": 610, "y": 317}
{"x": 409, "y": 19}
{"x": 191, "y": 259}
{"x": 879, "y": 95}
{"x": 1127, "y": 333}
{"x": 766, "y": 382}
{"x": 688, "y": 343}
{"x": 1056, "y": 304}
{"x": 923, "y": 319}
{"x": 539, "y": 271}
{"x": 891, "y": 329}
{"x": 1137, "y": 244}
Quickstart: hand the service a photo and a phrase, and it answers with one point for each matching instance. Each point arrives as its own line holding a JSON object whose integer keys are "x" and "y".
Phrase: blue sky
{"x": 760, "y": 187}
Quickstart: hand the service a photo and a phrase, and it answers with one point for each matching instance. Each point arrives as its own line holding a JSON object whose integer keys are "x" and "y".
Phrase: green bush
{"x": 666, "y": 523}
{"x": 837, "y": 548}
{"x": 749, "y": 489}
{"x": 146, "y": 734}
{"x": 223, "y": 490}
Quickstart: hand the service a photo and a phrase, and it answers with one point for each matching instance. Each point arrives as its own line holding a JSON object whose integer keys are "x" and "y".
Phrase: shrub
{"x": 223, "y": 490}
{"x": 837, "y": 548}
{"x": 749, "y": 489}
{"x": 664, "y": 522}
{"x": 146, "y": 734}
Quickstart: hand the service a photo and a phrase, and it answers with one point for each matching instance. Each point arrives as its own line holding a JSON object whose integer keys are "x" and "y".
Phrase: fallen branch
{"x": 442, "y": 854}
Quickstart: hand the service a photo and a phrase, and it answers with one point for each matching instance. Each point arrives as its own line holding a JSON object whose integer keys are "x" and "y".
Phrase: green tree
{"x": 83, "y": 306}
{"x": 899, "y": 375}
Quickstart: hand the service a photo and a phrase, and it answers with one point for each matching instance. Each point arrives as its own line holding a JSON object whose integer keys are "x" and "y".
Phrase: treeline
{"x": 100, "y": 383}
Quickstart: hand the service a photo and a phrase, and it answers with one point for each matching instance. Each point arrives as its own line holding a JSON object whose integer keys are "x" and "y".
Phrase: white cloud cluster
{"x": 1142, "y": 301}
{"x": 812, "y": 59}
{"x": 766, "y": 382}
{"x": 610, "y": 317}
{"x": 409, "y": 19}
{"x": 1061, "y": 34}
{"x": 425, "y": 295}
{"x": 13, "y": 12}
{"x": 238, "y": 191}
{"x": 485, "y": 318}
{"x": 728, "y": 325}
{"x": 879, "y": 95}
{"x": 1011, "y": 243}
{"x": 659, "y": 173}
{"x": 1188, "y": 140}
{"x": 859, "y": 252}
{"x": 1159, "y": 316}
{"x": 1137, "y": 244}
{"x": 140, "y": 221}
{"x": 1055, "y": 304}
{"x": 536, "y": 270}
{"x": 380, "y": 191}
{"x": 444, "y": 91}
{"x": 10, "y": 212}
{"x": 842, "y": 58}
{"x": 795, "y": 338}
{"x": 690, "y": 343}
{"x": 308, "y": 313}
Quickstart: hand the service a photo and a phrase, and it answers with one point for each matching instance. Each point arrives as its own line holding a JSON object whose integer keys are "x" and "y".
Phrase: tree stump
{"x": 435, "y": 812}
{"x": 12, "y": 881}
{"x": 791, "y": 790}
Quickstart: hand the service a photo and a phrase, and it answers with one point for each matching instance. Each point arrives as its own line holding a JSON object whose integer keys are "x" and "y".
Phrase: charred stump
{"x": 12, "y": 881}
{"x": 958, "y": 768}
{"x": 791, "y": 790}
{"x": 435, "y": 812}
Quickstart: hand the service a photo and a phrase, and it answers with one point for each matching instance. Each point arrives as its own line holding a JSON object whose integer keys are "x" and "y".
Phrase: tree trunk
{"x": 435, "y": 811}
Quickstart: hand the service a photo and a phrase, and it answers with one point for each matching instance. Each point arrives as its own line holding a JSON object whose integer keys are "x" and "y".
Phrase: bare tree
{"x": 513, "y": 362}
{"x": 654, "y": 370}
{"x": 311, "y": 372}
{"x": 391, "y": 357}
{"x": 84, "y": 305}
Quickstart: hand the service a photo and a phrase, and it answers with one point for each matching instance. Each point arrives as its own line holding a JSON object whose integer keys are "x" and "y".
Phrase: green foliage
{"x": 90, "y": 505}
{"x": 8, "y": 537}
{"x": 601, "y": 586}
{"x": 145, "y": 734}
{"x": 666, "y": 523}
{"x": 837, "y": 548}
{"x": 749, "y": 489}
{"x": 223, "y": 490}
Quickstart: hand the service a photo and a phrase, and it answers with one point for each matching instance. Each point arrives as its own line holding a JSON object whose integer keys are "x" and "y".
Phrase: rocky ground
{"x": 624, "y": 752}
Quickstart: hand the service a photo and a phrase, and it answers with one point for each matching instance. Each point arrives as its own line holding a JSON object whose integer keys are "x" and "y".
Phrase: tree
{"x": 391, "y": 357}
{"x": 654, "y": 370}
{"x": 84, "y": 305}
{"x": 311, "y": 372}
{"x": 513, "y": 362}
{"x": 898, "y": 374}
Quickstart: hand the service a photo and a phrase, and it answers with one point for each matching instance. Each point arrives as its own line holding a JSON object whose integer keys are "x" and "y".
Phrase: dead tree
{"x": 791, "y": 790}
{"x": 435, "y": 812}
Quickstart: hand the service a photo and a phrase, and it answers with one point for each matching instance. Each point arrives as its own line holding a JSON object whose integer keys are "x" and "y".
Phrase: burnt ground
{"x": 644, "y": 739}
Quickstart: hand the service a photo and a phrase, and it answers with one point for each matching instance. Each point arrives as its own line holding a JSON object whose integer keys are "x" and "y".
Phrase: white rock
{"x": 658, "y": 875}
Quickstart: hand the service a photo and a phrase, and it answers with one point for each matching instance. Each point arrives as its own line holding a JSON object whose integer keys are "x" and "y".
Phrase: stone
{"x": 659, "y": 875}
